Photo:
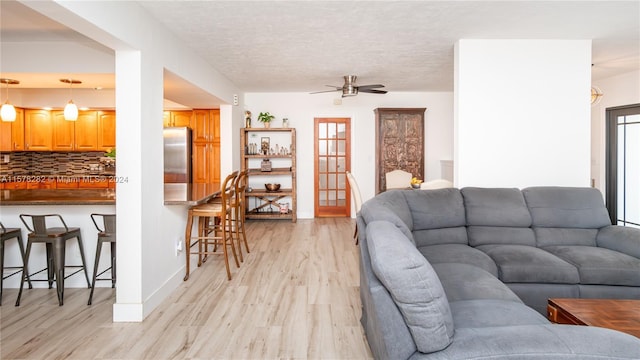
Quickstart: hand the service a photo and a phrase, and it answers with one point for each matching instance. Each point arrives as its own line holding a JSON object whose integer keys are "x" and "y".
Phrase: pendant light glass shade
{"x": 8, "y": 111}
{"x": 71, "y": 111}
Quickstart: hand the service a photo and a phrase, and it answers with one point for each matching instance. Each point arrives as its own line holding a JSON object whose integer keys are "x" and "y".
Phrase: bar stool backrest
{"x": 108, "y": 223}
{"x": 241, "y": 186}
{"x": 228, "y": 189}
{"x": 39, "y": 223}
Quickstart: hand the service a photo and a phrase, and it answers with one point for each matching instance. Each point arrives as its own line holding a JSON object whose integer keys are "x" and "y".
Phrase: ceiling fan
{"x": 351, "y": 89}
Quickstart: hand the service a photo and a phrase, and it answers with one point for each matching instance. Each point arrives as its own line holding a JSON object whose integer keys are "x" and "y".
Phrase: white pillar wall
{"x": 522, "y": 113}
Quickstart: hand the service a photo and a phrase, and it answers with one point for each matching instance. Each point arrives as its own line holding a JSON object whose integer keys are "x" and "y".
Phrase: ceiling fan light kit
{"x": 350, "y": 88}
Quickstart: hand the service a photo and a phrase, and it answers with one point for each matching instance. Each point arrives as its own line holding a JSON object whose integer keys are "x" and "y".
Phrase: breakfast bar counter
{"x": 190, "y": 193}
{"x": 58, "y": 197}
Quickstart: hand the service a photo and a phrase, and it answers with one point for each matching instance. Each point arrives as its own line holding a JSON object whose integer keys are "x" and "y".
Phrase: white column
{"x": 522, "y": 113}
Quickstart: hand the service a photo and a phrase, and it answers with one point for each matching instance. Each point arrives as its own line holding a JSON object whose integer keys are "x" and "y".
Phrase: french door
{"x": 623, "y": 165}
{"x": 332, "y": 160}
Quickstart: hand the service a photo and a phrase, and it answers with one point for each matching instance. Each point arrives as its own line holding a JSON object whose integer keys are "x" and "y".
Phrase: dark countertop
{"x": 174, "y": 194}
{"x": 189, "y": 193}
{"x": 58, "y": 197}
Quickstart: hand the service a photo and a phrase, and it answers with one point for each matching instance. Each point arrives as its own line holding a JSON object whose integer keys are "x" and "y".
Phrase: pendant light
{"x": 8, "y": 112}
{"x": 70, "y": 110}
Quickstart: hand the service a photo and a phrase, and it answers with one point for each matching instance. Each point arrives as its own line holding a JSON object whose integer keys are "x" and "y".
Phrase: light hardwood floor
{"x": 294, "y": 297}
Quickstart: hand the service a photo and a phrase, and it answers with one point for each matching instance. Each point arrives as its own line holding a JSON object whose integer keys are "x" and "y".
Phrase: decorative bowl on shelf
{"x": 272, "y": 187}
{"x": 415, "y": 186}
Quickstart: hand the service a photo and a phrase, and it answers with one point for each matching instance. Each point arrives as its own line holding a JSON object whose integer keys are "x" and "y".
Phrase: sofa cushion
{"x": 377, "y": 209}
{"x": 528, "y": 264}
{"x": 491, "y": 312}
{"x": 453, "y": 235}
{"x": 599, "y": 266}
{"x": 485, "y": 235}
{"x": 565, "y": 236}
{"x": 458, "y": 253}
{"x": 620, "y": 238}
{"x": 413, "y": 285}
{"x": 566, "y": 207}
{"x": 436, "y": 209}
{"x": 468, "y": 282}
{"x": 495, "y": 207}
{"x": 542, "y": 342}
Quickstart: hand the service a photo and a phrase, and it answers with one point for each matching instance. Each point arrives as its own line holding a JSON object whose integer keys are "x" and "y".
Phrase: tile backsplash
{"x": 50, "y": 163}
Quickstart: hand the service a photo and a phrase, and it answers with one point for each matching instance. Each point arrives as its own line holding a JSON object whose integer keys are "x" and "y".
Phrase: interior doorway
{"x": 623, "y": 165}
{"x": 332, "y": 156}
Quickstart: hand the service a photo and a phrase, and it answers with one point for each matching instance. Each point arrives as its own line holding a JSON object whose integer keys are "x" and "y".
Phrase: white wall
{"x": 302, "y": 108}
{"x": 522, "y": 113}
{"x": 618, "y": 91}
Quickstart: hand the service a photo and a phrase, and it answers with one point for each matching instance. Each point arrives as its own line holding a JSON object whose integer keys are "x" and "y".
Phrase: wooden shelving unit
{"x": 263, "y": 204}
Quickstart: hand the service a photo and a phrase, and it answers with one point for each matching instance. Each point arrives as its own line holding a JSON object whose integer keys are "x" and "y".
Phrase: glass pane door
{"x": 332, "y": 137}
{"x": 623, "y": 165}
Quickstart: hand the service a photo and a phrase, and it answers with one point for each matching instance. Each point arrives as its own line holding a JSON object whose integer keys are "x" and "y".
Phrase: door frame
{"x": 347, "y": 150}
{"x": 611, "y": 177}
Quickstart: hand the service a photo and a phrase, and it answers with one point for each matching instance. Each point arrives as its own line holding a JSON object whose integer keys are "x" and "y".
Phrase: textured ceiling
{"x": 277, "y": 46}
{"x": 407, "y": 45}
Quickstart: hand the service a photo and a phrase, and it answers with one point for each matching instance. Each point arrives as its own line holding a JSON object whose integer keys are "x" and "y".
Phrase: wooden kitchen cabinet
{"x": 63, "y": 132}
{"x": 206, "y": 145}
{"x": 44, "y": 183}
{"x": 12, "y": 133}
{"x": 399, "y": 142}
{"x": 177, "y": 118}
{"x": 38, "y": 130}
{"x": 106, "y": 130}
{"x": 15, "y": 185}
{"x": 86, "y": 132}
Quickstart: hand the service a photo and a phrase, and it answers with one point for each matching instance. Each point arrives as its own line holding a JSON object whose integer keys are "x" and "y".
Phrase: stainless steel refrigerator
{"x": 177, "y": 155}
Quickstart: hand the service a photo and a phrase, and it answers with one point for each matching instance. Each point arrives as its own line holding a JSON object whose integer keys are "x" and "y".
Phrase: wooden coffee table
{"x": 621, "y": 315}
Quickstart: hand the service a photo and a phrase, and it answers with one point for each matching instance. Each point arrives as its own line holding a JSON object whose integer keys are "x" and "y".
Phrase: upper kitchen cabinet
{"x": 38, "y": 130}
{"x": 49, "y": 131}
{"x": 12, "y": 133}
{"x": 81, "y": 135}
{"x": 206, "y": 125}
{"x": 106, "y": 130}
{"x": 177, "y": 118}
{"x": 63, "y": 132}
{"x": 86, "y": 131}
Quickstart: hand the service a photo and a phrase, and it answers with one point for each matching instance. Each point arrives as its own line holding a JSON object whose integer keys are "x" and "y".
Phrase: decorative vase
{"x": 267, "y": 124}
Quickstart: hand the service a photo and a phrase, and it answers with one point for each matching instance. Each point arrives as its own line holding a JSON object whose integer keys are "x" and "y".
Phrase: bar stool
{"x": 239, "y": 208}
{"x": 55, "y": 239}
{"x": 6, "y": 235}
{"x": 214, "y": 234}
{"x": 107, "y": 234}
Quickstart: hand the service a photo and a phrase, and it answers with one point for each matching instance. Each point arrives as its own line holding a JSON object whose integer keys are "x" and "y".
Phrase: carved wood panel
{"x": 399, "y": 142}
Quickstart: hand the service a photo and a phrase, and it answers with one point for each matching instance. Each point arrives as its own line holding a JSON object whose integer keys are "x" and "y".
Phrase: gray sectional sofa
{"x": 466, "y": 273}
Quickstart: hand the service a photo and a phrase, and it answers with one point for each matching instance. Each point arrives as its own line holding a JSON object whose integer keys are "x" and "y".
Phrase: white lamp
{"x": 8, "y": 112}
{"x": 70, "y": 110}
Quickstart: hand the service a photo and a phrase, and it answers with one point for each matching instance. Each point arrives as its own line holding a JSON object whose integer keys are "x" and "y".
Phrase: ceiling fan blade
{"x": 324, "y": 91}
{"x": 372, "y": 91}
{"x": 374, "y": 86}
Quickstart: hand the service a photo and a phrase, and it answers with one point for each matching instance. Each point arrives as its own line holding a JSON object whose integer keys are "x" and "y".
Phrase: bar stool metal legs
{"x": 106, "y": 234}
{"x": 55, "y": 239}
{"x": 6, "y": 235}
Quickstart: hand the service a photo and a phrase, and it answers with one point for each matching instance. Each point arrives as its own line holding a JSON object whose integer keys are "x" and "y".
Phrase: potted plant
{"x": 265, "y": 118}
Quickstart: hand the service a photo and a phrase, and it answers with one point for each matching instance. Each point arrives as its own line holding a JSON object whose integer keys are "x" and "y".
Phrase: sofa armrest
{"x": 620, "y": 238}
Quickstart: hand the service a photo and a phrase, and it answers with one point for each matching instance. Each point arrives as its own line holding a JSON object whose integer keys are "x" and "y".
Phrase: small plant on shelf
{"x": 265, "y": 118}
